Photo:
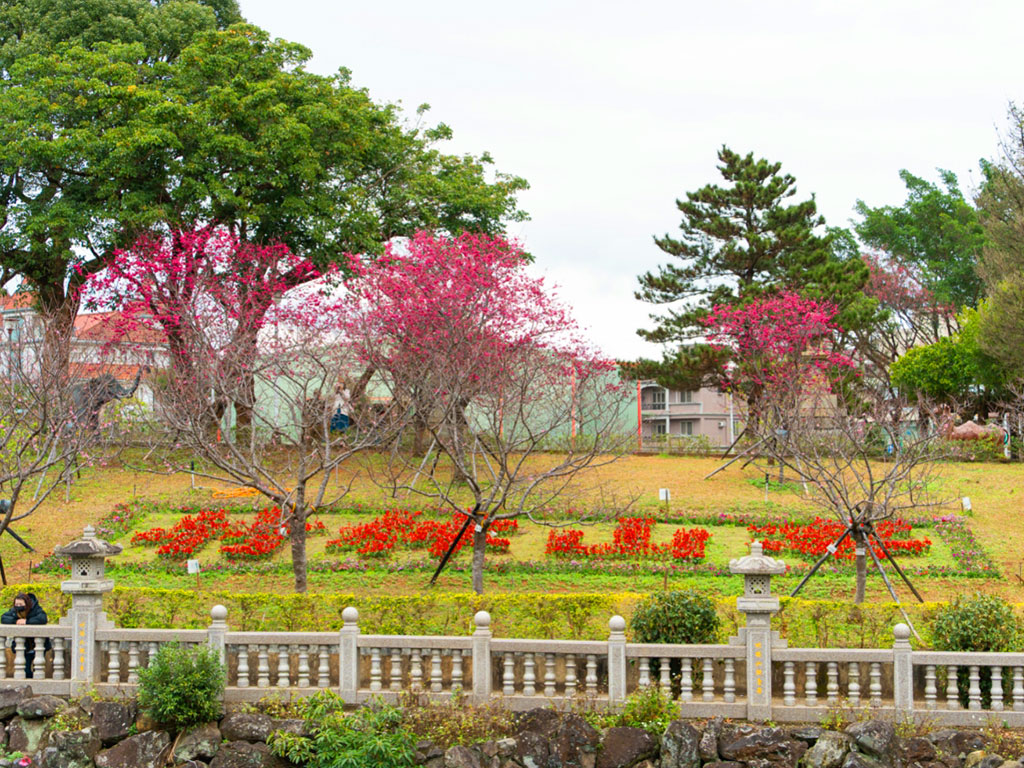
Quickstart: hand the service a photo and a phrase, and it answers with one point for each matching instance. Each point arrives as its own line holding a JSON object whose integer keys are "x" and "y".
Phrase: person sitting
{"x": 26, "y": 610}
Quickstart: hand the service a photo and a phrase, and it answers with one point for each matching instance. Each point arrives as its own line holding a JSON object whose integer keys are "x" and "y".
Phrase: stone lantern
{"x": 86, "y": 585}
{"x": 758, "y": 604}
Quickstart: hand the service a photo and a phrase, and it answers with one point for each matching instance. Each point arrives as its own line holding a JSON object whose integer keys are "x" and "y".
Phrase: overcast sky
{"x": 613, "y": 110}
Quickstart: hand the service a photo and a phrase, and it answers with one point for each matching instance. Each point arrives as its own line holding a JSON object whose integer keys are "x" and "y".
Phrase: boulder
{"x": 807, "y": 733}
{"x": 243, "y": 754}
{"x": 241, "y": 726}
{"x": 464, "y": 757}
{"x": 531, "y": 750}
{"x": 990, "y": 761}
{"x": 70, "y": 749}
{"x": 27, "y": 736}
{"x": 540, "y": 720}
{"x": 200, "y": 742}
{"x": 723, "y": 764}
{"x": 918, "y": 750}
{"x": 957, "y": 744}
{"x": 289, "y": 725}
{"x": 193, "y": 764}
{"x": 761, "y": 748}
{"x": 875, "y": 738}
{"x": 829, "y": 751}
{"x": 38, "y": 707}
{"x": 146, "y": 750}
{"x": 624, "y": 747}
{"x": 681, "y": 746}
{"x": 426, "y": 751}
{"x": 10, "y": 697}
{"x": 709, "y": 740}
{"x": 112, "y": 720}
{"x": 858, "y": 760}
{"x": 575, "y": 743}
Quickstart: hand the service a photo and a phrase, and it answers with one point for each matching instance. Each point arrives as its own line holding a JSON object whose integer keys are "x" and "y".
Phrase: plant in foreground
{"x": 182, "y": 686}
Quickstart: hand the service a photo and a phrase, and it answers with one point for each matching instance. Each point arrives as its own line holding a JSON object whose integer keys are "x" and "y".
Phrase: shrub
{"x": 182, "y": 686}
{"x": 675, "y": 617}
{"x": 649, "y": 708}
{"x": 456, "y": 721}
{"x": 371, "y": 737}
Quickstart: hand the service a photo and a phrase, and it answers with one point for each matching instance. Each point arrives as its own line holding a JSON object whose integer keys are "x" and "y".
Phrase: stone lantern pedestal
{"x": 758, "y": 604}
{"x": 86, "y": 585}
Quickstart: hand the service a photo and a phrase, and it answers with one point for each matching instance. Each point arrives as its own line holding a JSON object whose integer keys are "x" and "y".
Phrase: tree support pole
{"x": 455, "y": 543}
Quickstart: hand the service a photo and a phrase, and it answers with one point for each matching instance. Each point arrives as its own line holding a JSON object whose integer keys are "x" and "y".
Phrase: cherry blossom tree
{"x": 493, "y": 370}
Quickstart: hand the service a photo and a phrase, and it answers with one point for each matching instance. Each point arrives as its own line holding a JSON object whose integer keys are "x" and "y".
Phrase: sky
{"x": 613, "y": 111}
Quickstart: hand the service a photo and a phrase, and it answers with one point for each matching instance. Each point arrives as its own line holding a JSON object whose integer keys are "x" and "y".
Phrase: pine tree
{"x": 739, "y": 242}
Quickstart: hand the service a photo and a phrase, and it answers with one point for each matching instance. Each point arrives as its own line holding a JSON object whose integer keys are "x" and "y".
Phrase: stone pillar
{"x": 902, "y": 669}
{"x": 218, "y": 632}
{"x": 482, "y": 657}
{"x": 87, "y": 585}
{"x": 616, "y": 661}
{"x": 348, "y": 656}
{"x": 758, "y": 605}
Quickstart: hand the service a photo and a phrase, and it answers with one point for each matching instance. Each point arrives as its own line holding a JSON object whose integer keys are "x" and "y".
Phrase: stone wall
{"x": 87, "y": 733}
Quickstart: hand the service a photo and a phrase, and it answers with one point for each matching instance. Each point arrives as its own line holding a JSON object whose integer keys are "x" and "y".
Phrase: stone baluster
{"x": 58, "y": 657}
{"x": 416, "y": 670}
{"x": 303, "y": 670}
{"x": 930, "y": 691}
{"x": 3, "y": 658}
{"x": 529, "y": 675}
{"x": 644, "y": 672}
{"x": 549, "y": 675}
{"x": 133, "y": 663}
{"x": 322, "y": 679}
{"x": 591, "y": 675}
{"x": 832, "y": 685}
{"x": 39, "y": 660}
{"x": 811, "y": 683}
{"x": 1018, "y": 689}
{"x": 19, "y": 658}
{"x": 508, "y": 678}
{"x": 457, "y": 669}
{"x": 570, "y": 676}
{"x": 151, "y": 652}
{"x": 664, "y": 673}
{"x": 952, "y": 691}
{"x": 707, "y": 681}
{"x": 853, "y": 683}
{"x": 284, "y": 671}
{"x": 395, "y": 676}
{"x": 729, "y": 686}
{"x": 114, "y": 662}
{"x": 997, "y": 689}
{"x": 686, "y": 681}
{"x": 243, "y": 666}
{"x": 974, "y": 687}
{"x": 436, "y": 681}
{"x": 263, "y": 666}
{"x": 875, "y": 686}
{"x": 375, "y": 671}
{"x": 789, "y": 684}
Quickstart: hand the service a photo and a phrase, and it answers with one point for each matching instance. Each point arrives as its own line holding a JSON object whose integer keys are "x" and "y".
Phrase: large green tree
{"x": 738, "y": 242}
{"x": 936, "y": 232}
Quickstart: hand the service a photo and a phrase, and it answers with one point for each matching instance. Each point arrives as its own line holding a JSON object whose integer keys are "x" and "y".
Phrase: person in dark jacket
{"x": 26, "y": 610}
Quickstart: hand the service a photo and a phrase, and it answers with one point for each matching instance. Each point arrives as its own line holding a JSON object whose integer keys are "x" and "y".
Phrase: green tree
{"x": 936, "y": 231}
{"x": 739, "y": 242}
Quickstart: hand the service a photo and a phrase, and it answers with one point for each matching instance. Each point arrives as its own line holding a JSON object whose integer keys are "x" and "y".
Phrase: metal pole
{"x": 831, "y": 550}
{"x": 872, "y": 532}
{"x": 455, "y": 542}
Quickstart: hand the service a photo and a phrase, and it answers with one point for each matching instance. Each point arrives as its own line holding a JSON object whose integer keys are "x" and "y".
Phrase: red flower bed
{"x": 256, "y": 540}
{"x": 630, "y": 539}
{"x": 811, "y": 541}
{"x": 400, "y": 529}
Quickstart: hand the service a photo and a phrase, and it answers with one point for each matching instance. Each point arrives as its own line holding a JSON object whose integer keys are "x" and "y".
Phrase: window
{"x": 657, "y": 399}
{"x": 686, "y": 397}
{"x": 659, "y": 428}
{"x": 686, "y": 427}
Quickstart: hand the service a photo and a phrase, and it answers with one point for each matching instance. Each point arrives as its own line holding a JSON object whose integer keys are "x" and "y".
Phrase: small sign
{"x": 193, "y": 566}
{"x": 663, "y": 494}
{"x": 967, "y": 503}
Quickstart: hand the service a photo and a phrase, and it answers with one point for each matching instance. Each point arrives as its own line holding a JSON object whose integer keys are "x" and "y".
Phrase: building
{"x": 672, "y": 418}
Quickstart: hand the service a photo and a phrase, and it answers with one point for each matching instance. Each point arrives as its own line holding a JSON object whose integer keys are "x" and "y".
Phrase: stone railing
{"x": 705, "y": 680}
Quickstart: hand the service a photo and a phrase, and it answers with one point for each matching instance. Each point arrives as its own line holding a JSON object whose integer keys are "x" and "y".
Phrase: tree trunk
{"x": 58, "y": 312}
{"x": 298, "y": 541}
{"x": 862, "y": 565}
{"x": 479, "y": 551}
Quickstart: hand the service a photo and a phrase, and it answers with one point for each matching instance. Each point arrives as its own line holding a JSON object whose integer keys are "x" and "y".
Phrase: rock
{"x": 991, "y": 761}
{"x": 531, "y": 750}
{"x": 506, "y": 747}
{"x": 240, "y": 726}
{"x": 26, "y": 735}
{"x": 1011, "y": 764}
{"x": 918, "y": 750}
{"x": 10, "y": 697}
{"x": 463, "y": 757}
{"x": 70, "y": 749}
{"x": 289, "y": 725}
{"x": 242, "y": 754}
{"x": 975, "y": 757}
{"x": 200, "y": 742}
{"x": 957, "y": 743}
{"x": 146, "y": 750}
{"x": 808, "y": 733}
{"x": 875, "y": 738}
{"x": 723, "y": 764}
{"x": 681, "y": 746}
{"x": 708, "y": 746}
{"x": 426, "y": 751}
{"x": 193, "y": 764}
{"x": 828, "y": 751}
{"x": 857, "y": 760}
{"x": 730, "y": 734}
{"x": 540, "y": 720}
{"x": 762, "y": 748}
{"x": 624, "y": 747}
{"x": 575, "y": 743}
{"x": 38, "y": 707}
{"x": 112, "y": 721}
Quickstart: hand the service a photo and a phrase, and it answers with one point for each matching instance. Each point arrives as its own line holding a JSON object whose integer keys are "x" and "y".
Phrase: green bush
{"x": 675, "y": 617}
{"x": 371, "y": 737}
{"x": 182, "y": 686}
{"x": 649, "y": 708}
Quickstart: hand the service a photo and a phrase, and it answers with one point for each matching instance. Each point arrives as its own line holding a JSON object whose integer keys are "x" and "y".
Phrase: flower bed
{"x": 812, "y": 540}
{"x": 630, "y": 539}
{"x": 400, "y": 529}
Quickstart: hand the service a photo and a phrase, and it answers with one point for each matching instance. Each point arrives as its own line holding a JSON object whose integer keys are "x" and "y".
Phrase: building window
{"x": 659, "y": 428}
{"x": 686, "y": 427}
{"x": 686, "y": 397}
{"x": 658, "y": 399}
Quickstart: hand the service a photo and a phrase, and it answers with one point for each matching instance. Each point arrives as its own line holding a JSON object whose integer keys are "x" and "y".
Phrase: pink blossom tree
{"x": 494, "y": 371}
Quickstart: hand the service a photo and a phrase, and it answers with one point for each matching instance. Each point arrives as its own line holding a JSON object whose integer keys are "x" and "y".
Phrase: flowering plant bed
{"x": 400, "y": 529}
{"x": 630, "y": 539}
{"x": 811, "y": 540}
